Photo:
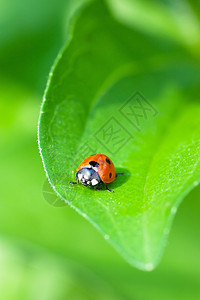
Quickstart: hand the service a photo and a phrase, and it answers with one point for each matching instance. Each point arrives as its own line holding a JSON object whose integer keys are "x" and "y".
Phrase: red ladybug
{"x": 96, "y": 170}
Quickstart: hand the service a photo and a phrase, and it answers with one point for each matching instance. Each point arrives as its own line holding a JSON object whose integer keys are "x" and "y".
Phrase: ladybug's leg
{"x": 108, "y": 188}
{"x": 98, "y": 185}
{"x": 96, "y": 188}
{"x": 119, "y": 174}
{"x": 76, "y": 180}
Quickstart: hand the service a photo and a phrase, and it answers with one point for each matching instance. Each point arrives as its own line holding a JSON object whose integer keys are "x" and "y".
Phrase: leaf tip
{"x": 149, "y": 267}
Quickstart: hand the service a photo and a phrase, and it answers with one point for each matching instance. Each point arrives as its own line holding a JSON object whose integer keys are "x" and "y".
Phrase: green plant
{"x": 102, "y": 65}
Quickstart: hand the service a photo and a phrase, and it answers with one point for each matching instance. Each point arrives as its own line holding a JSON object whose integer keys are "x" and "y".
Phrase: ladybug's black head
{"x": 88, "y": 177}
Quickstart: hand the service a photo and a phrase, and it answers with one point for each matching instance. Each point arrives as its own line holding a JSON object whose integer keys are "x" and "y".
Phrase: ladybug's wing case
{"x": 105, "y": 169}
{"x": 85, "y": 162}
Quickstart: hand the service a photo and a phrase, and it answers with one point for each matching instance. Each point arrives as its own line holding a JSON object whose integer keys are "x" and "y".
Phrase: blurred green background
{"x": 49, "y": 251}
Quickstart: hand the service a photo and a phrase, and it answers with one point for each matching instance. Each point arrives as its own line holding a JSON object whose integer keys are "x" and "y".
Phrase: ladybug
{"x": 96, "y": 170}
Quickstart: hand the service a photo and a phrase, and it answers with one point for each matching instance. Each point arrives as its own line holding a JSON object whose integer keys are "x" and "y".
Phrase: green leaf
{"x": 105, "y": 74}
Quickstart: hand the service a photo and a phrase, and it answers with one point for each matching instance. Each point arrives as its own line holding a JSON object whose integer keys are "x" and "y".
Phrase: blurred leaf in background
{"x": 45, "y": 247}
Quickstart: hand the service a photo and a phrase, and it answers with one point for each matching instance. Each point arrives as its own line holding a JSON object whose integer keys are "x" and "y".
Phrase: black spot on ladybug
{"x": 110, "y": 175}
{"x": 94, "y": 163}
{"x": 108, "y": 161}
